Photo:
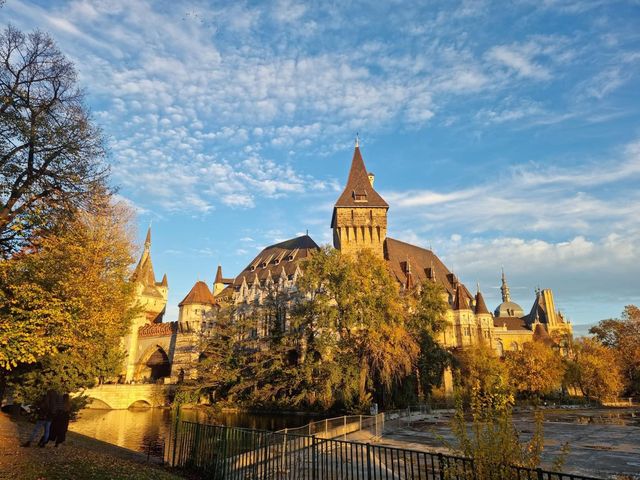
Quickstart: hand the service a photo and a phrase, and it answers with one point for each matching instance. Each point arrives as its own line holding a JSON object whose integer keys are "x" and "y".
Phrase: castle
{"x": 169, "y": 351}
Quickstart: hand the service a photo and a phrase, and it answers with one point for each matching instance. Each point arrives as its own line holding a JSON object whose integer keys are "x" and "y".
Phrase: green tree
{"x": 428, "y": 308}
{"x": 535, "y": 370}
{"x": 358, "y": 299}
{"x": 50, "y": 151}
{"x": 593, "y": 368}
{"x": 623, "y": 336}
{"x": 66, "y": 303}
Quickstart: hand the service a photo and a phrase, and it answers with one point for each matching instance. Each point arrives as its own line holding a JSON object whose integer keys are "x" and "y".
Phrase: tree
{"x": 358, "y": 299}
{"x": 623, "y": 336}
{"x": 66, "y": 303}
{"x": 493, "y": 442}
{"x": 50, "y": 151}
{"x": 428, "y": 307}
{"x": 593, "y": 368}
{"x": 535, "y": 370}
{"x": 483, "y": 377}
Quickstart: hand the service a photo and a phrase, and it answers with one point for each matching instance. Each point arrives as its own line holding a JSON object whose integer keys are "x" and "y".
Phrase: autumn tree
{"x": 593, "y": 369}
{"x": 358, "y": 299}
{"x": 50, "y": 151}
{"x": 622, "y": 335}
{"x": 534, "y": 370}
{"x": 489, "y": 436}
{"x": 66, "y": 303}
{"x": 483, "y": 376}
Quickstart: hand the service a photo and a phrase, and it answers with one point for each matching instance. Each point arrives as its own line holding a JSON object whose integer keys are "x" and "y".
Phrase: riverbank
{"x": 80, "y": 457}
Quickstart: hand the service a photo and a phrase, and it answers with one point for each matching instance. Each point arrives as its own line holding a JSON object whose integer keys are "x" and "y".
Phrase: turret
{"x": 360, "y": 214}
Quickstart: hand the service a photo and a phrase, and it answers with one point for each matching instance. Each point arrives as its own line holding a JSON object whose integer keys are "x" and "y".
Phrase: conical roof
{"x": 481, "y": 306}
{"x": 460, "y": 302}
{"x": 199, "y": 295}
{"x": 359, "y": 187}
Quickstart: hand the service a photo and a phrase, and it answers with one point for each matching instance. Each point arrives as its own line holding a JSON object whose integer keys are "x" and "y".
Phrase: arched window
{"x": 514, "y": 346}
{"x": 500, "y": 348}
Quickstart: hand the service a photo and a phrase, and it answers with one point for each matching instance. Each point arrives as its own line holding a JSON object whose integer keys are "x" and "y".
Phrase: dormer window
{"x": 290, "y": 258}
{"x": 252, "y": 268}
{"x": 359, "y": 196}
{"x": 276, "y": 261}
{"x": 264, "y": 265}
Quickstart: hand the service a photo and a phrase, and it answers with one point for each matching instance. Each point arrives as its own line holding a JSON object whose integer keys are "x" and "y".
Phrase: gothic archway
{"x": 154, "y": 365}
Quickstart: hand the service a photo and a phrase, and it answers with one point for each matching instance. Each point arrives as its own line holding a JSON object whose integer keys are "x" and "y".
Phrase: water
{"x": 137, "y": 429}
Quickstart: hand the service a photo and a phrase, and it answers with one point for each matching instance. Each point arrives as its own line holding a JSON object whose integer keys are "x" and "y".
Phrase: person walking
{"x": 60, "y": 423}
{"x": 44, "y": 416}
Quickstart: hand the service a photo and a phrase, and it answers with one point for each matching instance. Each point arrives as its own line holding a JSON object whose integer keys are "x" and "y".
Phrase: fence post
{"x": 284, "y": 452}
{"x": 360, "y": 424}
{"x": 314, "y": 459}
{"x": 326, "y": 427}
{"x": 175, "y": 436}
{"x": 539, "y": 472}
{"x": 441, "y": 465}
{"x": 368, "y": 461}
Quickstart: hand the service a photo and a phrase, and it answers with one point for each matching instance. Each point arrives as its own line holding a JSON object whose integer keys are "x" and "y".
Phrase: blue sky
{"x": 500, "y": 134}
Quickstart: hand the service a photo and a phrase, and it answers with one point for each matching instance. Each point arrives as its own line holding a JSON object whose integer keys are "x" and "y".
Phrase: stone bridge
{"x": 120, "y": 397}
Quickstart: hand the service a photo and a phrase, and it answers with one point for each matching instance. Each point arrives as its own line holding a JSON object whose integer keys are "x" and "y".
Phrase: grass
{"x": 78, "y": 458}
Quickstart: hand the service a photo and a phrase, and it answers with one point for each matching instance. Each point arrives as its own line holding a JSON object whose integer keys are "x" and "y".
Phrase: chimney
{"x": 372, "y": 177}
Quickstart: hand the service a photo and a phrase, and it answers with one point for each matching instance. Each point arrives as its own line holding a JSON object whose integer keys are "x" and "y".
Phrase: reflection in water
{"x": 136, "y": 429}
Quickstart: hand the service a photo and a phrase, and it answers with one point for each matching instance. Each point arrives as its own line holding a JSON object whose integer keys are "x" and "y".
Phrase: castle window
{"x": 360, "y": 197}
{"x": 252, "y": 268}
{"x": 500, "y": 348}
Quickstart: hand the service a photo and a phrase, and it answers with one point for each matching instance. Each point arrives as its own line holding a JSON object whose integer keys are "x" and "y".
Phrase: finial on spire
{"x": 478, "y": 286}
{"x": 357, "y": 140}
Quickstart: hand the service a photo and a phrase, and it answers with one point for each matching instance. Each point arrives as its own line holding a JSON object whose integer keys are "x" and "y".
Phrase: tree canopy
{"x": 50, "y": 151}
{"x": 622, "y": 335}
{"x": 349, "y": 336}
{"x": 535, "y": 370}
{"x": 65, "y": 304}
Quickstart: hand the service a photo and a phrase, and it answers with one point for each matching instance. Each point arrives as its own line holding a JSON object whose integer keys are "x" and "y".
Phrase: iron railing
{"x": 220, "y": 452}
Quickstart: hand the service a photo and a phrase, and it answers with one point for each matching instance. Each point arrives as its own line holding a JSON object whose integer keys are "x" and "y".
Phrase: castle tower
{"x": 220, "y": 283}
{"x": 151, "y": 296}
{"x": 360, "y": 214}
{"x": 484, "y": 319}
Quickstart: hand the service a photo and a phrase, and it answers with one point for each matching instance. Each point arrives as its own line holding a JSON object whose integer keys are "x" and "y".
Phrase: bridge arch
{"x": 141, "y": 403}
{"x": 97, "y": 404}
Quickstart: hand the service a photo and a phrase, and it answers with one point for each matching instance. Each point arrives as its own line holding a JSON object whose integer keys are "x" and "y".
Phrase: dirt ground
{"x": 79, "y": 457}
{"x": 603, "y": 442}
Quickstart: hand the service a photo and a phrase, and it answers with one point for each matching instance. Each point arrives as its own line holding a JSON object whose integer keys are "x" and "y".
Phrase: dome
{"x": 509, "y": 309}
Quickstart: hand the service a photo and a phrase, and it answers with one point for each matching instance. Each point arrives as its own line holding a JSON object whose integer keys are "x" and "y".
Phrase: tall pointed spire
{"x": 147, "y": 240}
{"x": 218, "y": 275}
{"x": 358, "y": 192}
{"x": 506, "y": 296}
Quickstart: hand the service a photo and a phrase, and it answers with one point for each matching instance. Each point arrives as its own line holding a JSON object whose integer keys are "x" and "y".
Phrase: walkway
{"x": 79, "y": 457}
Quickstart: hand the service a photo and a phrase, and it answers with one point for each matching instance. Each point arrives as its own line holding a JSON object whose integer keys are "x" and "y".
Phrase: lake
{"x": 137, "y": 428}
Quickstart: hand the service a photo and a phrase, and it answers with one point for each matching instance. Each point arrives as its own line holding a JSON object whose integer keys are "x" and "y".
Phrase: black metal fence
{"x": 234, "y": 453}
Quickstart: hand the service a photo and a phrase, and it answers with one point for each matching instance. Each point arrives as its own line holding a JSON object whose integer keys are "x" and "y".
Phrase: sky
{"x": 500, "y": 133}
